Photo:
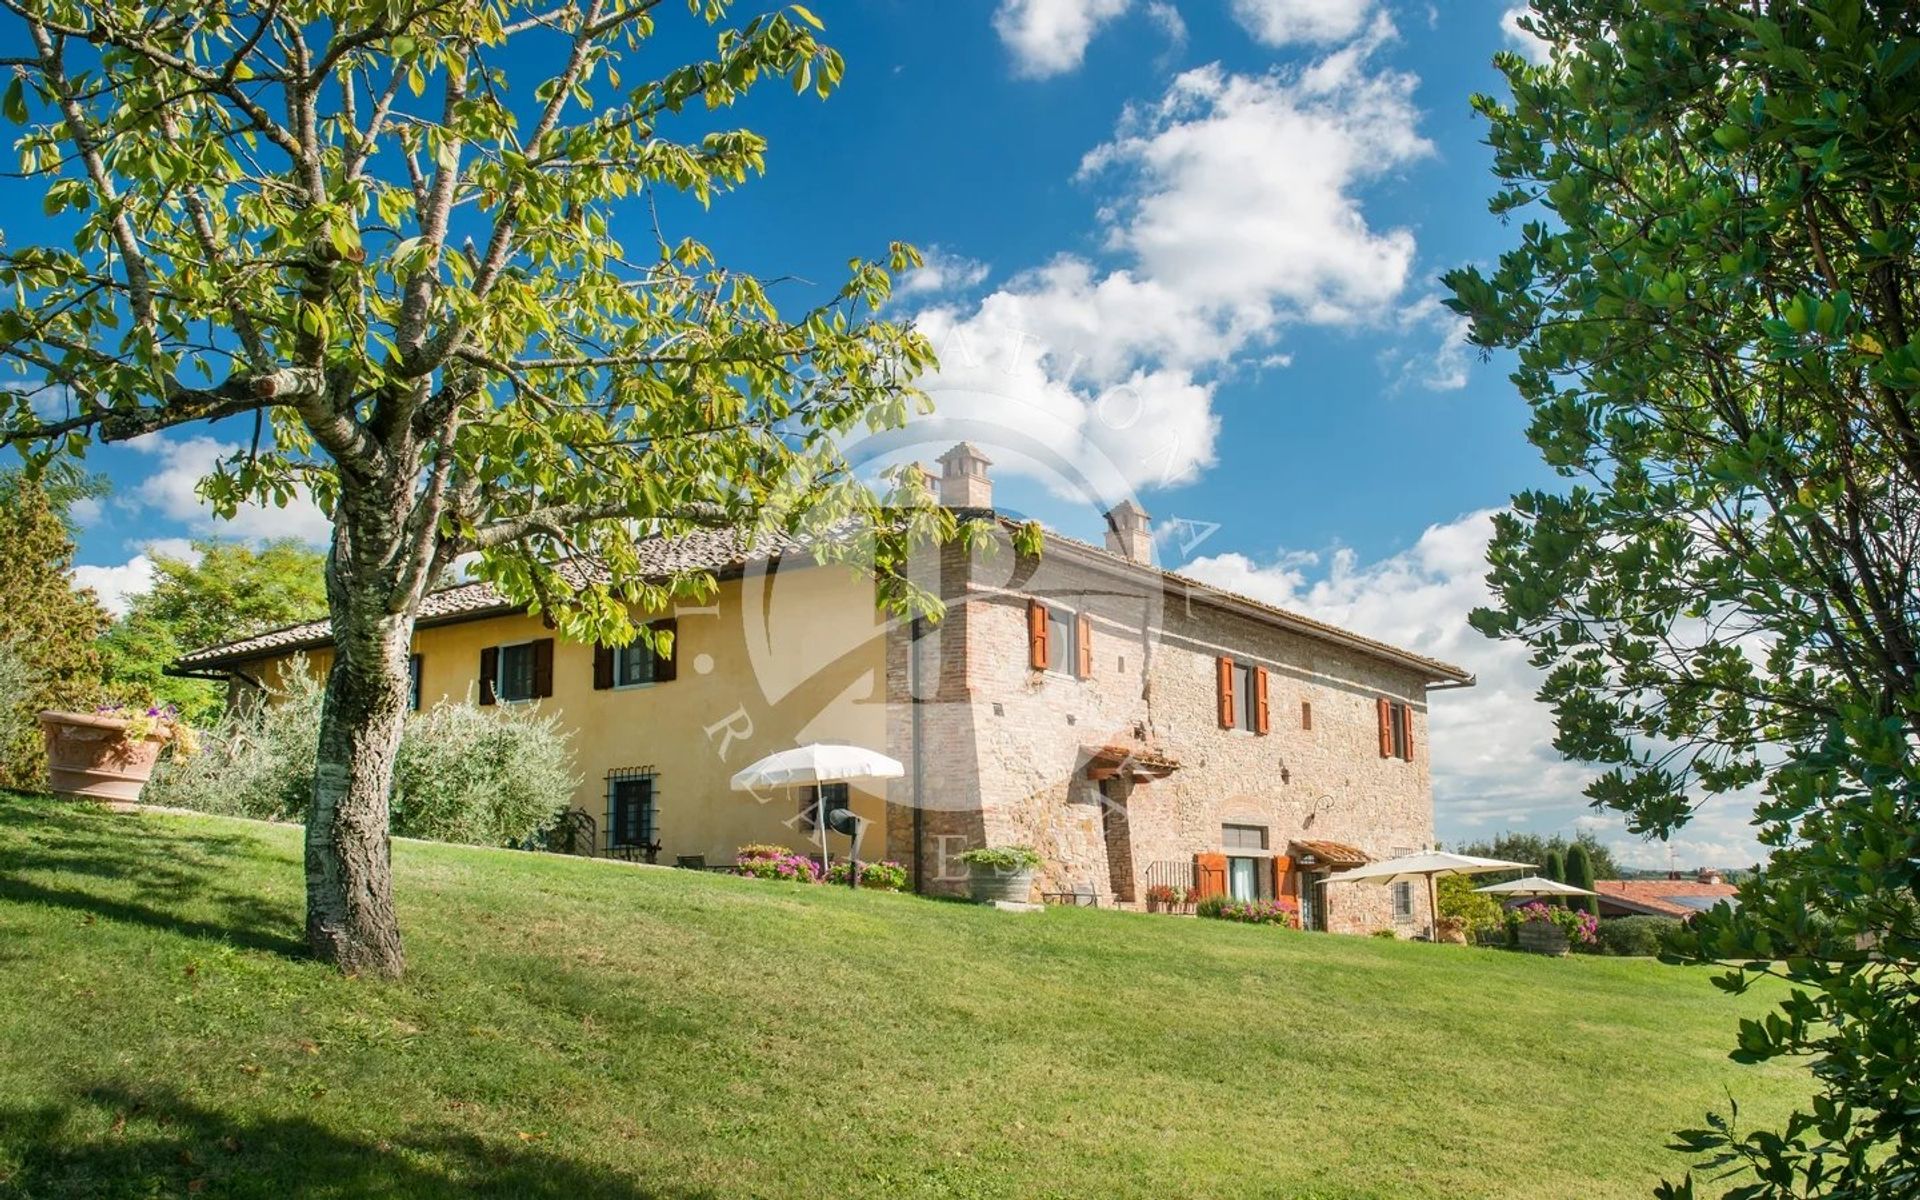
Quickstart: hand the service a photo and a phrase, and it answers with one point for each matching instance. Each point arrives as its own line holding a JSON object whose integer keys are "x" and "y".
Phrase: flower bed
{"x": 760, "y": 861}
{"x": 1284, "y": 912}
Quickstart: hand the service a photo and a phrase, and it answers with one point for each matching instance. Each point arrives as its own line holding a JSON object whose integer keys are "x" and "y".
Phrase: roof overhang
{"x": 1130, "y": 762}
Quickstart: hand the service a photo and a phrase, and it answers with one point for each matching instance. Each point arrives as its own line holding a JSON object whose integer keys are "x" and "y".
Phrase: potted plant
{"x": 1549, "y": 929}
{"x": 1169, "y": 898}
{"x": 109, "y": 753}
{"x": 1001, "y": 873}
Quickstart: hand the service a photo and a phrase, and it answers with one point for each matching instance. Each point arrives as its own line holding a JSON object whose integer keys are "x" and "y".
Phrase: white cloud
{"x": 1171, "y": 24}
{"x": 1494, "y": 765}
{"x": 173, "y": 492}
{"x": 942, "y": 272}
{"x": 1284, "y": 22}
{"x": 1443, "y": 367}
{"x": 117, "y": 585}
{"x": 1049, "y": 37}
{"x": 1238, "y": 213}
{"x": 1531, "y": 47}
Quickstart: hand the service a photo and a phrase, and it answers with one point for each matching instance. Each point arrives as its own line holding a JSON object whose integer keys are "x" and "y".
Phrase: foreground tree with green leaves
{"x": 1715, "y": 317}
{"x": 224, "y": 591}
{"x": 418, "y": 250}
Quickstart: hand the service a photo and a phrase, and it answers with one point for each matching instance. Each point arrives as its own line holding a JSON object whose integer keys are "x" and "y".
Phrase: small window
{"x": 817, "y": 803}
{"x": 1062, "y": 648}
{"x": 1397, "y": 728}
{"x": 1403, "y": 901}
{"x": 413, "y": 682}
{"x": 1243, "y": 837}
{"x": 1306, "y": 714}
{"x": 1245, "y": 710}
{"x": 632, "y": 818}
{"x": 634, "y": 664}
{"x": 516, "y": 672}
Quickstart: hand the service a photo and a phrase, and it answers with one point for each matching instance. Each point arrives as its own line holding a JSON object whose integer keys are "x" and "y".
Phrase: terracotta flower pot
{"x": 90, "y": 755}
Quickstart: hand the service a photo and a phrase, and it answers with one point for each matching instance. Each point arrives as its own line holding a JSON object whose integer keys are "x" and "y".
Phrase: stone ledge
{"x": 1016, "y": 906}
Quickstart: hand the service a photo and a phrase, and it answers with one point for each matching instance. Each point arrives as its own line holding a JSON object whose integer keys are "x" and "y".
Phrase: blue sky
{"x": 1191, "y": 248}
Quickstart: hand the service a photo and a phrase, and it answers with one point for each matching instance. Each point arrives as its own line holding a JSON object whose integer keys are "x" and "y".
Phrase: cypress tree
{"x": 1580, "y": 874}
{"x": 1552, "y": 866}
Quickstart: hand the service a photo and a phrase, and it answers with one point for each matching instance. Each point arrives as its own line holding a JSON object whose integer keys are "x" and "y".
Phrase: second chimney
{"x": 1130, "y": 532}
{"x": 963, "y": 479}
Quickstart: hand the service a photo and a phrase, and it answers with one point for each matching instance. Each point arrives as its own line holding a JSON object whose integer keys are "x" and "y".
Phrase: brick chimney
{"x": 1130, "y": 532}
{"x": 963, "y": 479}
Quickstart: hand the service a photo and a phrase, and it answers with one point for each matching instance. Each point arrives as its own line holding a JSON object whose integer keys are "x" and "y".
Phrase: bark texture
{"x": 373, "y": 596}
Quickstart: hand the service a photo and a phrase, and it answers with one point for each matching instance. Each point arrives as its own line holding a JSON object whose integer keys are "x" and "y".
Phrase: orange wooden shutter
{"x": 1083, "y": 646}
{"x": 1036, "y": 635}
{"x": 1386, "y": 728}
{"x": 1282, "y": 876}
{"x": 1406, "y": 739}
{"x": 1224, "y": 668}
{"x": 1259, "y": 699}
{"x": 1209, "y": 875}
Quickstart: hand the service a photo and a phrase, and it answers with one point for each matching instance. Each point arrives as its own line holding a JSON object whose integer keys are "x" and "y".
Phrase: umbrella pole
{"x": 1433, "y": 911}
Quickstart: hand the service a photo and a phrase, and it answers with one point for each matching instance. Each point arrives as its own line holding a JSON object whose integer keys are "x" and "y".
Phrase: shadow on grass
{"x": 147, "y": 875}
{"x": 158, "y": 1142}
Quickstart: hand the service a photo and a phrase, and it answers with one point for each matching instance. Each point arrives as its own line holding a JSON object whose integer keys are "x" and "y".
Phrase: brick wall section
{"x": 1004, "y": 745}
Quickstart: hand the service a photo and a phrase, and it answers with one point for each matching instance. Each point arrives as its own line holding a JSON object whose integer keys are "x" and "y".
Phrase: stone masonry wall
{"x": 1005, "y": 747}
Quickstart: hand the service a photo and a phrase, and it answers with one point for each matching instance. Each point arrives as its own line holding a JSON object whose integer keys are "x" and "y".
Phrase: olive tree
{"x": 421, "y": 251}
{"x": 1714, "y": 317}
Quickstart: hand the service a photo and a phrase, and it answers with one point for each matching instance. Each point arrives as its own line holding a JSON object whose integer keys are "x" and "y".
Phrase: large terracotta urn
{"x": 89, "y": 754}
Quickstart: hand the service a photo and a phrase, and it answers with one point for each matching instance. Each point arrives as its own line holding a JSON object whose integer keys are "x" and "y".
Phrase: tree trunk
{"x": 350, "y": 917}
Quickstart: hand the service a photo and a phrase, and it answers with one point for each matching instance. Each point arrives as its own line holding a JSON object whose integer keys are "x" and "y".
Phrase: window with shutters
{"x": 1063, "y": 644}
{"x": 1248, "y": 697}
{"x": 413, "y": 682}
{"x": 1403, "y": 901}
{"x": 516, "y": 672}
{"x": 1397, "y": 730}
{"x": 634, "y": 665}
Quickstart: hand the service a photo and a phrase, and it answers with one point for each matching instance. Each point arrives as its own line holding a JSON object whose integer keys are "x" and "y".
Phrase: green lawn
{"x": 577, "y": 1028}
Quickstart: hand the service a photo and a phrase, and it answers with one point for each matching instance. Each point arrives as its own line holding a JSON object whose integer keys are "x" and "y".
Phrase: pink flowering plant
{"x": 775, "y": 862}
{"x": 1581, "y": 928}
{"x": 1283, "y": 912}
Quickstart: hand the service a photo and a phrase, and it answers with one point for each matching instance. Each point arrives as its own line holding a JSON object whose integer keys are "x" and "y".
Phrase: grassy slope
{"x": 580, "y": 1028}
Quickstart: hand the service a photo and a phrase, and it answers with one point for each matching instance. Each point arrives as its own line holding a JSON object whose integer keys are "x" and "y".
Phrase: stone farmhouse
{"x": 1139, "y": 728}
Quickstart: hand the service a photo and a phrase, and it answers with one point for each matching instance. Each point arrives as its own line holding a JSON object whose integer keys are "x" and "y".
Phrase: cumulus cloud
{"x": 1441, "y": 366}
{"x": 1284, "y": 22}
{"x": 1049, "y": 37}
{"x": 1494, "y": 766}
{"x": 172, "y": 491}
{"x": 1236, "y": 212}
{"x": 118, "y": 584}
{"x": 1529, "y": 46}
{"x": 942, "y": 272}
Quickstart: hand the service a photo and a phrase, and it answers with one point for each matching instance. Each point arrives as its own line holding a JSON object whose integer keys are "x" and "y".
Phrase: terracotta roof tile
{"x": 1334, "y": 854}
{"x": 719, "y": 550}
{"x": 1667, "y": 897}
{"x": 703, "y": 550}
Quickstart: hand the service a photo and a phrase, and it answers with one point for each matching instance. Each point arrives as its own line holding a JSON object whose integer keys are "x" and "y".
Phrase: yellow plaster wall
{"x": 772, "y": 661}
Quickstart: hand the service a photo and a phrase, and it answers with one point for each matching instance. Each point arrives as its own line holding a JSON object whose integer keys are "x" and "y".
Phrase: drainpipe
{"x": 914, "y": 632}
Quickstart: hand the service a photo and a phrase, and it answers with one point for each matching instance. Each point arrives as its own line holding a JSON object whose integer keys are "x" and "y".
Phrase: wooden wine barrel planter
{"x": 1542, "y": 937}
{"x": 988, "y": 885}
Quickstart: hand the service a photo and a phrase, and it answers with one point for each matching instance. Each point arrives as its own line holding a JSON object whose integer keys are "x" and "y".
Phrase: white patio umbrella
{"x": 1428, "y": 865}
{"x": 814, "y": 764}
{"x": 1534, "y": 885}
